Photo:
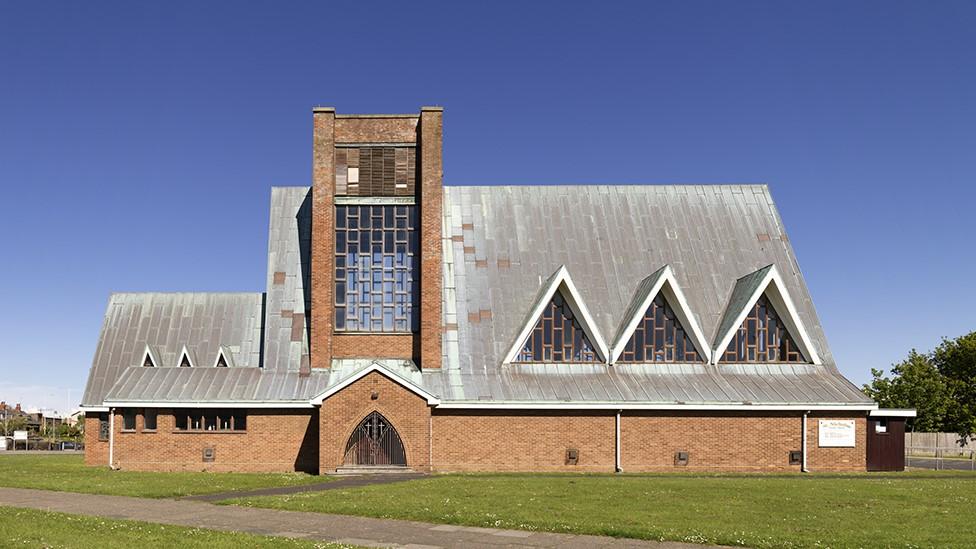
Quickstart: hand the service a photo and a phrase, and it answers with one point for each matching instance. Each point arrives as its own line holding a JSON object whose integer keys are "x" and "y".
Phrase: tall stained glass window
{"x": 557, "y": 337}
{"x": 376, "y": 264}
{"x": 660, "y": 337}
{"x": 762, "y": 337}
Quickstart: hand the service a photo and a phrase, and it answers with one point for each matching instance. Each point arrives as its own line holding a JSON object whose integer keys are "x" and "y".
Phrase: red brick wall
{"x": 731, "y": 442}
{"x": 836, "y": 459}
{"x": 431, "y": 200}
{"x": 521, "y": 440}
{"x": 376, "y": 129}
{"x": 96, "y": 451}
{"x": 537, "y": 441}
{"x": 275, "y": 441}
{"x": 406, "y": 411}
{"x": 323, "y": 237}
{"x": 469, "y": 440}
{"x": 330, "y": 129}
{"x": 372, "y": 345}
{"x": 726, "y": 442}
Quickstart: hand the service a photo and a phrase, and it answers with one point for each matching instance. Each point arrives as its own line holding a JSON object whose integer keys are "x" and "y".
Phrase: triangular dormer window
{"x": 185, "y": 361}
{"x": 659, "y": 326}
{"x": 762, "y": 337}
{"x": 762, "y": 324}
{"x": 148, "y": 360}
{"x": 221, "y": 361}
{"x": 557, "y": 337}
{"x": 660, "y": 337}
{"x": 559, "y": 328}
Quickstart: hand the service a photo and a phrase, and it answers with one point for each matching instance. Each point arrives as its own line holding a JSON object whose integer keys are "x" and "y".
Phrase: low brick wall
{"x": 483, "y": 440}
{"x": 275, "y": 441}
{"x": 521, "y": 441}
{"x": 96, "y": 451}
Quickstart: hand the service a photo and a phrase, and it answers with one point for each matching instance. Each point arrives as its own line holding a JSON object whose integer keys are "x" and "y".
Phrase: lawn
{"x": 31, "y": 528}
{"x": 70, "y": 474}
{"x": 925, "y": 509}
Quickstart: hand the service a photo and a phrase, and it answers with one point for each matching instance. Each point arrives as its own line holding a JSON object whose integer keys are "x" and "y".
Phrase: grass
{"x": 924, "y": 509}
{"x": 69, "y": 473}
{"x": 31, "y": 528}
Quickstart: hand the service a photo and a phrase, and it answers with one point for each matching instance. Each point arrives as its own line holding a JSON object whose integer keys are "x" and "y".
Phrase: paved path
{"x": 318, "y": 526}
{"x": 345, "y": 482}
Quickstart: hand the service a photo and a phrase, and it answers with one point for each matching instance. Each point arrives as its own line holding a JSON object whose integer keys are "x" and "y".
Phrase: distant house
{"x": 10, "y": 413}
{"x": 533, "y": 328}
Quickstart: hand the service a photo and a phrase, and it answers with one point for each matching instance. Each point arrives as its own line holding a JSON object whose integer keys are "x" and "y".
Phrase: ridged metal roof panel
{"x": 503, "y": 243}
{"x": 167, "y": 322}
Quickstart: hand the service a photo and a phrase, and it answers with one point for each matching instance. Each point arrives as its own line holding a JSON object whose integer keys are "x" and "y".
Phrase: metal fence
{"x": 940, "y": 451}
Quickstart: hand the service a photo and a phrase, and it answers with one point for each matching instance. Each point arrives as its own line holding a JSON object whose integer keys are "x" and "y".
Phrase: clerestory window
{"x": 660, "y": 337}
{"x": 210, "y": 420}
{"x": 557, "y": 337}
{"x": 376, "y": 268}
{"x": 762, "y": 337}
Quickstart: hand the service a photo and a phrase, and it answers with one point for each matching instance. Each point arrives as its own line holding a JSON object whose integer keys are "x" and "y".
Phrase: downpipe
{"x": 111, "y": 438}
{"x": 617, "y": 467}
{"x": 803, "y": 466}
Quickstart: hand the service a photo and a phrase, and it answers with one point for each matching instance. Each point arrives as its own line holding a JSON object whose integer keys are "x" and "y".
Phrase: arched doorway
{"x": 375, "y": 442}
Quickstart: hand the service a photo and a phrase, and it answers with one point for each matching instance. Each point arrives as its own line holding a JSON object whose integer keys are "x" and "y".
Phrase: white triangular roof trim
{"x": 377, "y": 367}
{"x": 223, "y": 351}
{"x": 152, "y": 356}
{"x": 189, "y": 359}
{"x": 774, "y": 288}
{"x": 561, "y": 281}
{"x": 667, "y": 284}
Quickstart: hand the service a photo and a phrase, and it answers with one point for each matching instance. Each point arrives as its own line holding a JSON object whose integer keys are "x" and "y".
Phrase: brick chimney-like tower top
{"x": 377, "y": 201}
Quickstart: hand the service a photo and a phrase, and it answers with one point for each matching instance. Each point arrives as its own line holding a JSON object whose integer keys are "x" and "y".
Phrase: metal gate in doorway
{"x": 375, "y": 442}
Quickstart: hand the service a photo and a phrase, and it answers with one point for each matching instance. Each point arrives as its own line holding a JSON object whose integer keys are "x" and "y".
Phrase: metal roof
{"x": 168, "y": 321}
{"x": 289, "y": 256}
{"x": 170, "y": 385}
{"x": 501, "y": 247}
{"x": 502, "y": 243}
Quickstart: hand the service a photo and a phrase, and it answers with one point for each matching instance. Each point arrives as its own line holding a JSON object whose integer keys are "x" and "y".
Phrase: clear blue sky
{"x": 139, "y": 141}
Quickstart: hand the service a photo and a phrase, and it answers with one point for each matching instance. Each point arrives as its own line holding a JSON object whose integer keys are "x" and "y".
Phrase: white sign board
{"x": 837, "y": 433}
{"x": 20, "y": 435}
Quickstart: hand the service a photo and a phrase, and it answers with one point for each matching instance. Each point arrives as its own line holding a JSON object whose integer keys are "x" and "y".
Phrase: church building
{"x": 409, "y": 325}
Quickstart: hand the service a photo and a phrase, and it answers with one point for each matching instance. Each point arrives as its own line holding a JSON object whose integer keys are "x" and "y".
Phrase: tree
{"x": 956, "y": 361}
{"x": 11, "y": 424}
{"x": 917, "y": 383}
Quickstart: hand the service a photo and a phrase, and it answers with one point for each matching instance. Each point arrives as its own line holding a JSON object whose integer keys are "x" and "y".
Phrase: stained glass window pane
{"x": 762, "y": 338}
{"x": 660, "y": 337}
{"x": 374, "y": 274}
{"x": 557, "y": 337}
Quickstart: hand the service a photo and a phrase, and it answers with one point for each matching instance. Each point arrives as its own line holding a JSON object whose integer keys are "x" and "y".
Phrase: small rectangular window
{"x": 181, "y": 423}
{"x": 881, "y": 427}
{"x": 211, "y": 420}
{"x": 128, "y": 419}
{"x": 103, "y": 426}
{"x": 240, "y": 420}
{"x": 149, "y": 419}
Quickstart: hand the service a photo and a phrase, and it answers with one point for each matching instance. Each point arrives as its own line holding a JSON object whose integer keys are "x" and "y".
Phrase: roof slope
{"x": 611, "y": 238}
{"x": 168, "y": 321}
{"x": 288, "y": 278}
{"x": 189, "y": 385}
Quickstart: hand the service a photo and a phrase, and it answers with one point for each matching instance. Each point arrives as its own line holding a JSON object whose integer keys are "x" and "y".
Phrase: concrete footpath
{"x": 315, "y": 526}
